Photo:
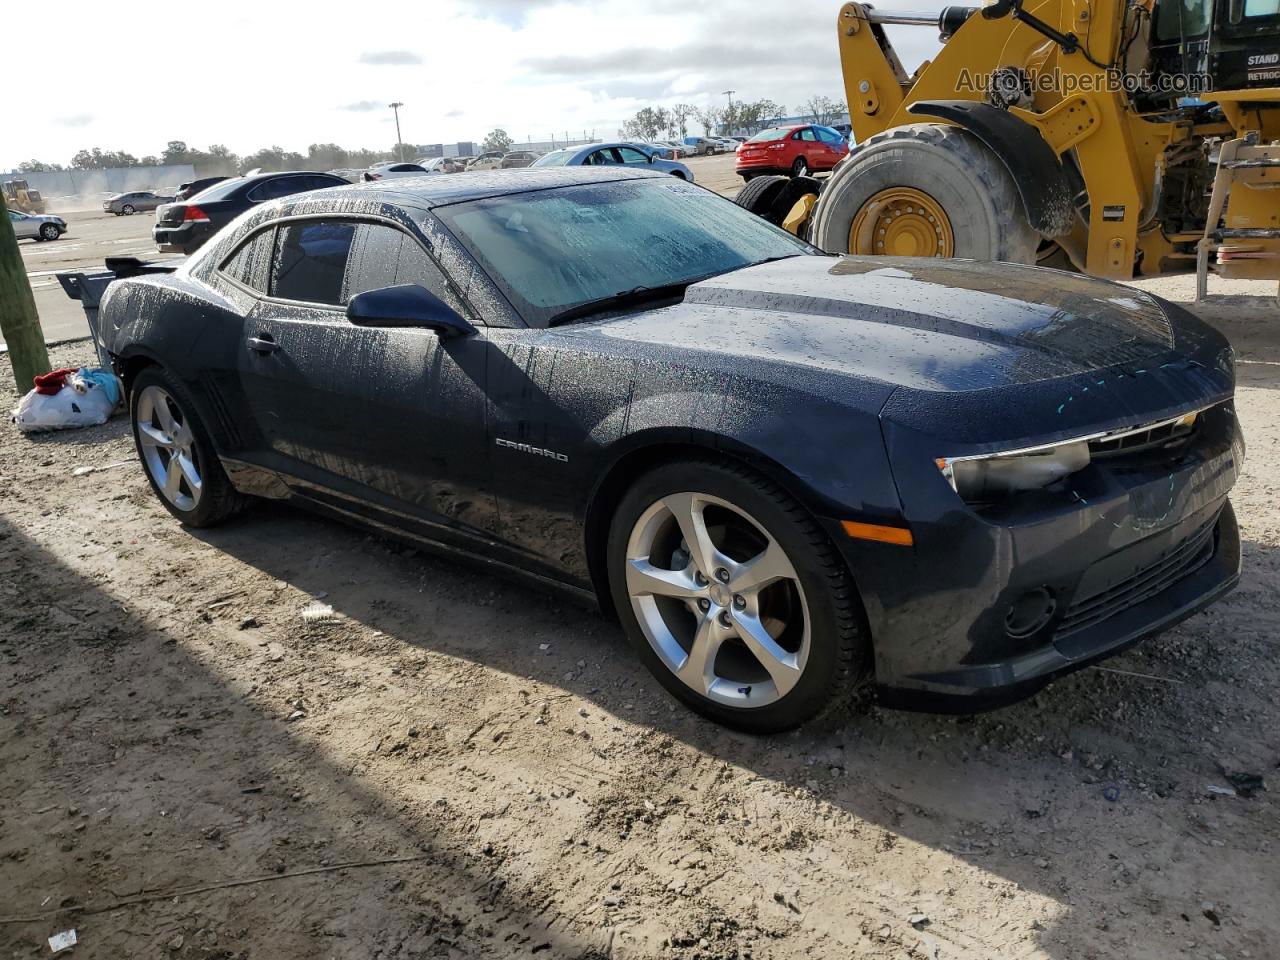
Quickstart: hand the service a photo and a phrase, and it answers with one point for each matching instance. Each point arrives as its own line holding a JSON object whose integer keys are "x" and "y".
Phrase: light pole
{"x": 728, "y": 117}
{"x": 395, "y": 106}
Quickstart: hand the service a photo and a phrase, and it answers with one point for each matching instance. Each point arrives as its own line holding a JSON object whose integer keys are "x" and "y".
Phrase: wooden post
{"x": 19, "y": 322}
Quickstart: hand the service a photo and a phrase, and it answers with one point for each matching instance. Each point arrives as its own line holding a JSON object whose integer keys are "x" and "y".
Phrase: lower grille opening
{"x": 1180, "y": 561}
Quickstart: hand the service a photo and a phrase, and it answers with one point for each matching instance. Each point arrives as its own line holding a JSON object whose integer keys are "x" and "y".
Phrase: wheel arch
{"x": 644, "y": 450}
{"x": 1038, "y": 174}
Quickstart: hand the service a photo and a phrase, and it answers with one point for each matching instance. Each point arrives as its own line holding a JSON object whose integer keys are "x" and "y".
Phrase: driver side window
{"x": 632, "y": 156}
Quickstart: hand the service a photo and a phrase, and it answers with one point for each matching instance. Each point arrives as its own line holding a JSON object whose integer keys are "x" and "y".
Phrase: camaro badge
{"x": 536, "y": 451}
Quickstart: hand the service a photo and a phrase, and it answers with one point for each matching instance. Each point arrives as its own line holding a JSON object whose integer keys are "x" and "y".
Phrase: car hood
{"x": 923, "y": 324}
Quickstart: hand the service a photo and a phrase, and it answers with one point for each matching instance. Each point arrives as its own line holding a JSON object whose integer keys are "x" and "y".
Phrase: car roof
{"x": 436, "y": 191}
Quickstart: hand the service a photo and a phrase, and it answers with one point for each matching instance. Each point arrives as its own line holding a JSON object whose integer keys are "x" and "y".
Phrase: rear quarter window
{"x": 248, "y": 264}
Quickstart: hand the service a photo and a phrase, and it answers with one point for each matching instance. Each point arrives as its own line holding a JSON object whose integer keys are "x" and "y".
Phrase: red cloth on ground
{"x": 50, "y": 383}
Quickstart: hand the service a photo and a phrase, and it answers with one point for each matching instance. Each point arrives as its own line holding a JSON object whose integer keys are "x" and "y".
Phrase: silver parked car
{"x": 37, "y": 226}
{"x": 126, "y": 204}
{"x": 613, "y": 154}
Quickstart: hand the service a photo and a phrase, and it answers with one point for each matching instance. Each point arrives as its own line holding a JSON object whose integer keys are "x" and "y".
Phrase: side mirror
{"x": 652, "y": 157}
{"x": 407, "y": 305}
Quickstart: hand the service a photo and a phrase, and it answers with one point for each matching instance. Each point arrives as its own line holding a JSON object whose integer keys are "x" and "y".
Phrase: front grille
{"x": 1179, "y": 561}
{"x": 1169, "y": 434}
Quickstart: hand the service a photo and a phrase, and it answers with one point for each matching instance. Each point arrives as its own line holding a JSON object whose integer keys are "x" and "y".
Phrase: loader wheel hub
{"x": 902, "y": 222}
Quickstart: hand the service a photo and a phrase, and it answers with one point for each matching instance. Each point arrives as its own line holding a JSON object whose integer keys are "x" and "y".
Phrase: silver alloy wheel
{"x": 718, "y": 600}
{"x": 49, "y": 232}
{"x": 127, "y": 210}
{"x": 168, "y": 448}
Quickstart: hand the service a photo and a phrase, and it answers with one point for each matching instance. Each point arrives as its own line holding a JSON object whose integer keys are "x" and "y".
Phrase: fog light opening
{"x": 1030, "y": 613}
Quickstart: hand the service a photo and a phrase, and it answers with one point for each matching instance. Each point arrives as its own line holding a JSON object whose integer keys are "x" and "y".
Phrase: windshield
{"x": 219, "y": 191}
{"x": 773, "y": 133}
{"x": 553, "y": 250}
{"x": 557, "y": 159}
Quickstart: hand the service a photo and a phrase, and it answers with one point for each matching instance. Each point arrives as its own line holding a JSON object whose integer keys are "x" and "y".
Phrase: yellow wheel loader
{"x": 1120, "y": 138}
{"x": 19, "y": 196}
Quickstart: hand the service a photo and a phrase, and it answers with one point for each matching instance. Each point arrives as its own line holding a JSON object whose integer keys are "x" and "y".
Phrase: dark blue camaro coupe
{"x": 791, "y": 476}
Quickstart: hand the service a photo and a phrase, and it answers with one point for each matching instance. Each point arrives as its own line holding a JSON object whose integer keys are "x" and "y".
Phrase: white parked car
{"x": 444, "y": 164}
{"x": 489, "y": 160}
{"x": 393, "y": 171}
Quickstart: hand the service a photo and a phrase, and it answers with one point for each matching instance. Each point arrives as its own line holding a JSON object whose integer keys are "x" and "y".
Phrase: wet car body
{"x": 842, "y": 380}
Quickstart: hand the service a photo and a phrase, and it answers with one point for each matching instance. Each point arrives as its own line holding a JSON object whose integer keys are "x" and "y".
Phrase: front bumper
{"x": 1134, "y": 549}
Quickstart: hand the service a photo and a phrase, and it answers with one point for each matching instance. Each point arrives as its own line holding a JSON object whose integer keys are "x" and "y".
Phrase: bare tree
{"x": 710, "y": 118}
{"x": 679, "y": 119}
{"x": 823, "y": 110}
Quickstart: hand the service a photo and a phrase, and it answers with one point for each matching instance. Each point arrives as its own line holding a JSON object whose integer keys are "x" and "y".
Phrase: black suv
{"x": 185, "y": 227}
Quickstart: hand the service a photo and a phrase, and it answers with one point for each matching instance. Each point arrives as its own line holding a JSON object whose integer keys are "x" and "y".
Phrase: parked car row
{"x": 184, "y": 223}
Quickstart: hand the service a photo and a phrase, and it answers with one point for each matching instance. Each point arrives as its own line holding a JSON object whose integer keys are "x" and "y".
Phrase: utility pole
{"x": 19, "y": 322}
{"x": 396, "y": 105}
{"x": 728, "y": 117}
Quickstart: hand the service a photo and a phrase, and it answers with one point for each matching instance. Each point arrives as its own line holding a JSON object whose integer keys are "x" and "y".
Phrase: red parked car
{"x": 797, "y": 150}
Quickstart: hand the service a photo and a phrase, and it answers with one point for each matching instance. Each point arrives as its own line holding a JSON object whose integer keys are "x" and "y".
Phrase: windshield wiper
{"x": 624, "y": 298}
{"x": 637, "y": 295}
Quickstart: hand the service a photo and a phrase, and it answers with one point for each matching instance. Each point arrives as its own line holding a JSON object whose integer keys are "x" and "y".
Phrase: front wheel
{"x": 734, "y": 598}
{"x": 49, "y": 232}
{"x": 177, "y": 454}
{"x": 924, "y": 190}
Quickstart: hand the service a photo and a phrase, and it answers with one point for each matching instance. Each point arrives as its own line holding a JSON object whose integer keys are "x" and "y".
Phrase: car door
{"x": 391, "y": 416}
{"x": 600, "y": 158}
{"x": 832, "y": 148}
{"x": 631, "y": 157}
{"x": 806, "y": 145}
{"x": 23, "y": 226}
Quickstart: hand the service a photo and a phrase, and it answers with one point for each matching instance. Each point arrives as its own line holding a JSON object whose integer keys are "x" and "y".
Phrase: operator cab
{"x": 1215, "y": 44}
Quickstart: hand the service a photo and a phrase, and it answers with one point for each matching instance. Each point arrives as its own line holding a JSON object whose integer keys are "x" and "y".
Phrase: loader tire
{"x": 925, "y": 189}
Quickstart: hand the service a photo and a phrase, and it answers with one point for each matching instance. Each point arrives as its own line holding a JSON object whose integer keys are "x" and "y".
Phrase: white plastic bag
{"x": 66, "y": 410}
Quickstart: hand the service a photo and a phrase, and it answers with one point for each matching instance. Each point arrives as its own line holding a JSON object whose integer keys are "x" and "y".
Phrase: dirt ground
{"x": 455, "y": 766}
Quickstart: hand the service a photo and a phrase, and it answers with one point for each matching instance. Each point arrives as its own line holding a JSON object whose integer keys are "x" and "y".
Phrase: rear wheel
{"x": 127, "y": 210}
{"x": 177, "y": 454}
{"x": 734, "y": 598}
{"x": 800, "y": 168}
{"x": 924, "y": 190}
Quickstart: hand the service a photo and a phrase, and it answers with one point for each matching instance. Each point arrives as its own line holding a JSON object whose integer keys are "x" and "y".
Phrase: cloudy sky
{"x": 134, "y": 74}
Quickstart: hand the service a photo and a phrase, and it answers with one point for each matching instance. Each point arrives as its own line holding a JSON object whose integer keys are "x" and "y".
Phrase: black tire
{"x": 218, "y": 500}
{"x": 759, "y": 194}
{"x": 1053, "y": 256}
{"x": 50, "y": 231}
{"x": 800, "y": 168}
{"x": 950, "y": 165}
{"x": 839, "y": 659}
{"x": 128, "y": 210}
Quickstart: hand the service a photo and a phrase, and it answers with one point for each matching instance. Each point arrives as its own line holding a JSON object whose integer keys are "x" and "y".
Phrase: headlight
{"x": 992, "y": 476}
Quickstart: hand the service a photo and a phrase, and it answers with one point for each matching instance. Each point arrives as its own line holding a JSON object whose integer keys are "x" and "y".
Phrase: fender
{"x": 1036, "y": 170}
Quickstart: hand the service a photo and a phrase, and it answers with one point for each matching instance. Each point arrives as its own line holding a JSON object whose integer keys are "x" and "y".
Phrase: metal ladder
{"x": 1244, "y": 161}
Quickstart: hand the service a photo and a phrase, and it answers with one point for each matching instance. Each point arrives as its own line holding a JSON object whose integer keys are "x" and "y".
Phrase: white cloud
{"x": 277, "y": 73}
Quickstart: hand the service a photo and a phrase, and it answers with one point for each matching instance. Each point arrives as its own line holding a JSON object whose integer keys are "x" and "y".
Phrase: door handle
{"x": 263, "y": 344}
